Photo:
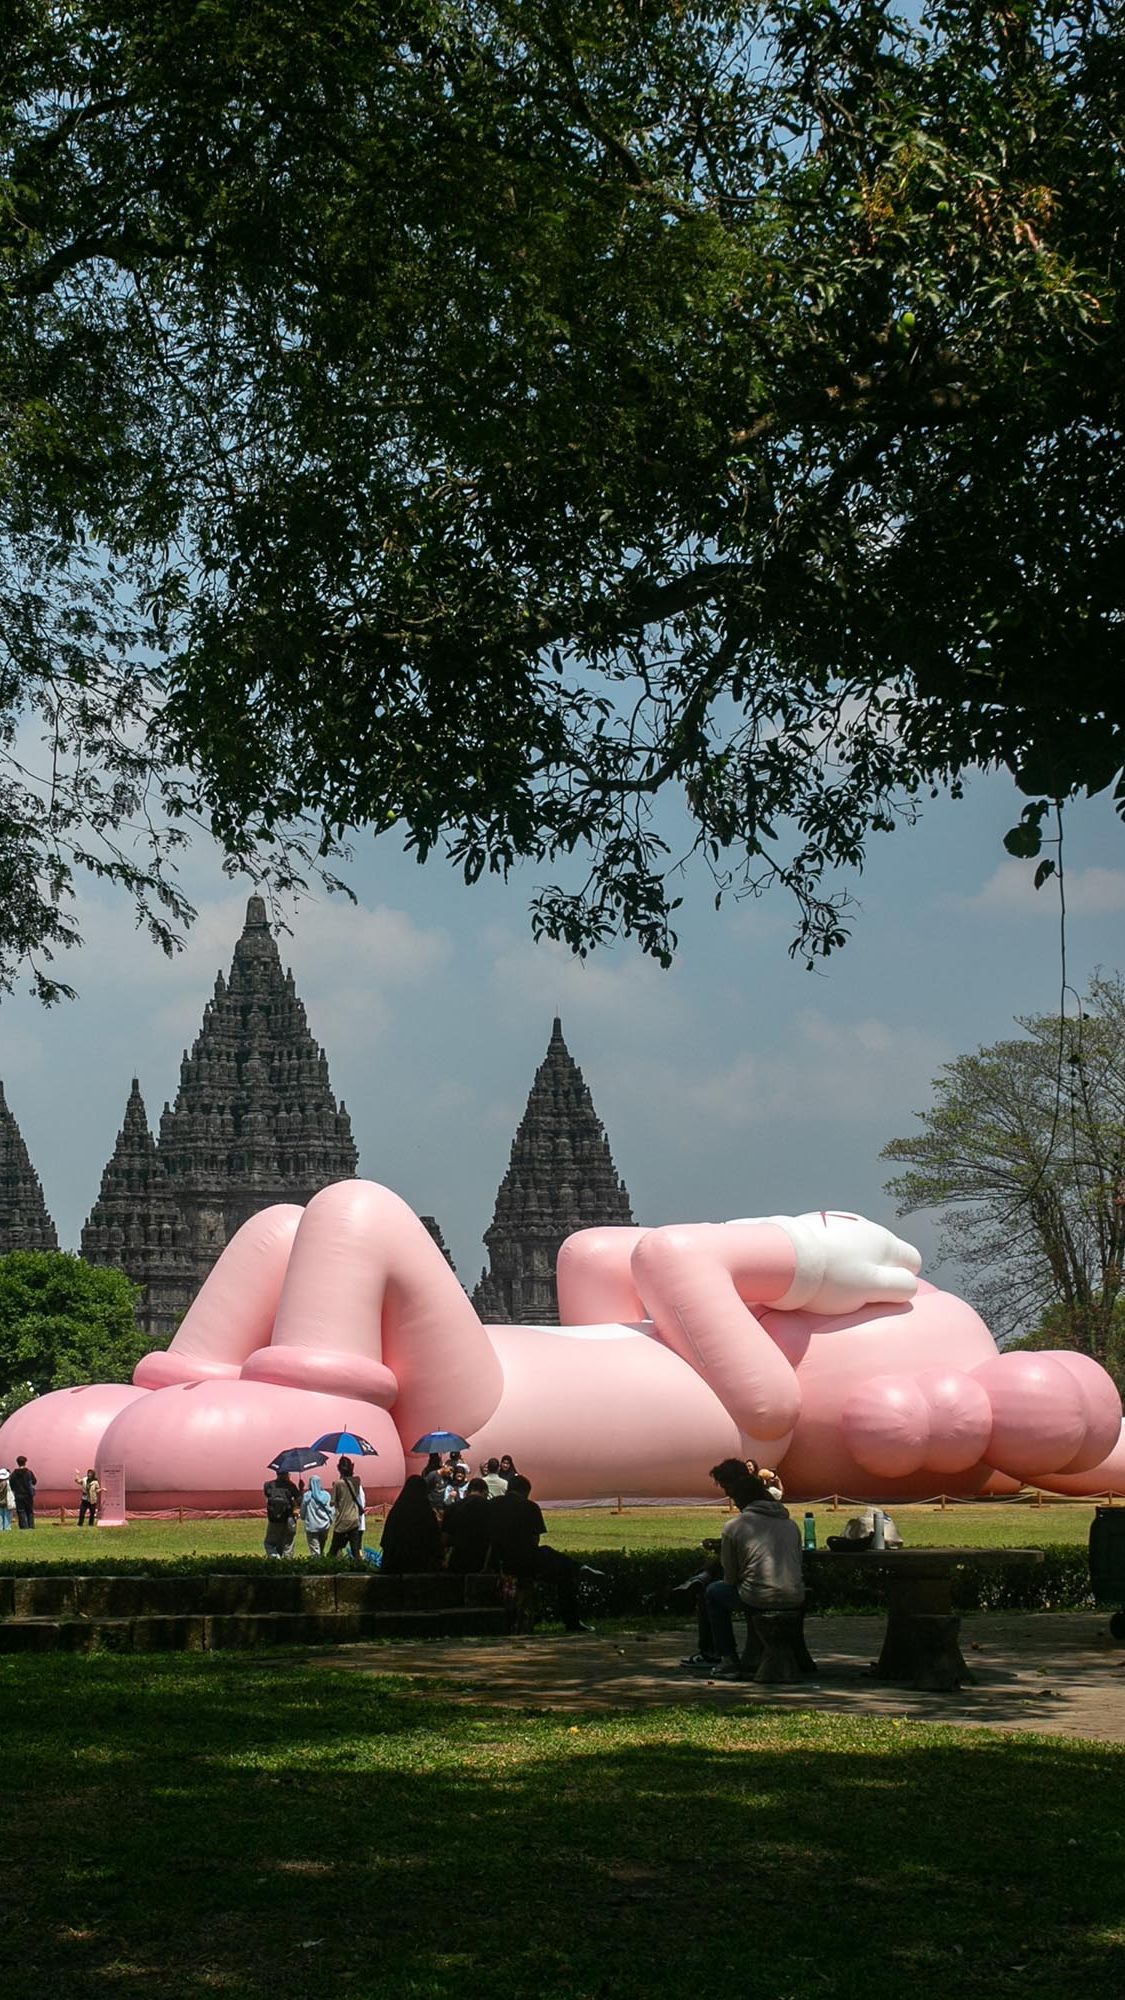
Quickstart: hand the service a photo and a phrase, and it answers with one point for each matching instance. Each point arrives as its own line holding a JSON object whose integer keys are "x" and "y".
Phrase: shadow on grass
{"x": 245, "y": 1827}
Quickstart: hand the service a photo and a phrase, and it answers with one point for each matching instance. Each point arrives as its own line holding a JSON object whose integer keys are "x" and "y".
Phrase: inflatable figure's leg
{"x": 699, "y": 1281}
{"x": 1051, "y": 1412}
{"x": 234, "y": 1311}
{"x": 370, "y": 1308}
{"x": 594, "y": 1278}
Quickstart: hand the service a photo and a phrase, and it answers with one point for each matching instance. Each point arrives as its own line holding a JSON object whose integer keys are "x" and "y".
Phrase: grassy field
{"x": 223, "y": 1824}
{"x": 984, "y": 1526}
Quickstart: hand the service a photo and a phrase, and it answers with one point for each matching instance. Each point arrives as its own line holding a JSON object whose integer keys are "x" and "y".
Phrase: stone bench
{"x": 205, "y": 1612}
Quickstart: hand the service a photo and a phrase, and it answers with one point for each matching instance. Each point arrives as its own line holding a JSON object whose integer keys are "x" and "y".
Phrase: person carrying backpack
{"x": 283, "y": 1500}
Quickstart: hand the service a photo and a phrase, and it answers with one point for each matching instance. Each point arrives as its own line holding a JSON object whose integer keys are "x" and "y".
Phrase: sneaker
{"x": 699, "y": 1660}
{"x": 727, "y": 1670}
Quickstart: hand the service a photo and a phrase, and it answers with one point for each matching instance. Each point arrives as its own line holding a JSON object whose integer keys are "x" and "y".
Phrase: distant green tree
{"x": 1022, "y": 1153}
{"x": 63, "y": 1322}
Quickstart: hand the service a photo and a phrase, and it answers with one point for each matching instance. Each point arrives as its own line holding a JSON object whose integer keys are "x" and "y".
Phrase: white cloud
{"x": 1010, "y": 891}
{"x": 602, "y": 990}
{"x": 825, "y": 1070}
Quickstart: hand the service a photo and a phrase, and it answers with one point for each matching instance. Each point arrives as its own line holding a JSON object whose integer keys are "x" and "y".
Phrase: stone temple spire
{"x": 24, "y": 1221}
{"x": 560, "y": 1178}
{"x": 254, "y": 1120}
{"x": 136, "y": 1225}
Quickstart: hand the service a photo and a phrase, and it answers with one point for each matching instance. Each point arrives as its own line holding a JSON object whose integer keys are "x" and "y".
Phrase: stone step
{"x": 211, "y": 1632}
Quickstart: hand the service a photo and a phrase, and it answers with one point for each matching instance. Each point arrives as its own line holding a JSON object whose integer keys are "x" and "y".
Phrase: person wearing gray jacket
{"x": 760, "y": 1551}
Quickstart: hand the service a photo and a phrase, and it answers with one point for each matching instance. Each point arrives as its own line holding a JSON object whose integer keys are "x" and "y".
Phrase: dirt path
{"x": 1060, "y": 1673}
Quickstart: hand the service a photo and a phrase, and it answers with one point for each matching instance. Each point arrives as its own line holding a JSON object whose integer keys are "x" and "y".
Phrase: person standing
{"x": 348, "y": 1510}
{"x": 494, "y": 1480}
{"x": 7, "y": 1500}
{"x": 468, "y": 1530}
{"x": 316, "y": 1515}
{"x": 411, "y": 1541}
{"x": 91, "y": 1497}
{"x": 283, "y": 1501}
{"x": 24, "y": 1483}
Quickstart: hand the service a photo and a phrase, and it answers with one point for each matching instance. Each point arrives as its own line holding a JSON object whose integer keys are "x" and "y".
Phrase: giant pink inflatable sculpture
{"x": 807, "y": 1341}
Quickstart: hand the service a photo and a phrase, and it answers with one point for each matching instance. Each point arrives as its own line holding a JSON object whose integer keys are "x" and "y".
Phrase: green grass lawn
{"x": 228, "y": 1825}
{"x": 587, "y": 1528}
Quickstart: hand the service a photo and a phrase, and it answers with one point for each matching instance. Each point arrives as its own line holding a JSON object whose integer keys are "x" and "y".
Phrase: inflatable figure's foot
{"x": 209, "y": 1444}
{"x": 939, "y": 1421}
{"x": 1051, "y": 1412}
{"x": 60, "y": 1434}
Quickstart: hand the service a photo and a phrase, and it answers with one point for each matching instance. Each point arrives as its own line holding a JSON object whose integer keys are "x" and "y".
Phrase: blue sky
{"x": 736, "y": 1084}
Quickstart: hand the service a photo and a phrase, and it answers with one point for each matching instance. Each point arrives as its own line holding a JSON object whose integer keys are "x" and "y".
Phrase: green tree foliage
{"x": 1023, "y": 1154}
{"x": 64, "y": 1322}
{"x": 493, "y": 419}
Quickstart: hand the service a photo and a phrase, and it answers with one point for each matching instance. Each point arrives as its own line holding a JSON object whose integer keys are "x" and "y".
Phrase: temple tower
{"x": 560, "y": 1178}
{"x": 136, "y": 1226}
{"x": 24, "y": 1221}
{"x": 254, "y": 1121}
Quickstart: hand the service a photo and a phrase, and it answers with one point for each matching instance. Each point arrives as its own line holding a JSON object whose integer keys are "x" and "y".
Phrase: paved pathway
{"x": 1057, "y": 1672}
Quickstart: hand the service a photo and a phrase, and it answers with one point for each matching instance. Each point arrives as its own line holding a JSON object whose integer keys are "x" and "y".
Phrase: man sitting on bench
{"x": 760, "y": 1551}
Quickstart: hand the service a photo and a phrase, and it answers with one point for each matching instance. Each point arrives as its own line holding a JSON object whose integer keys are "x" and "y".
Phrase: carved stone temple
{"x": 254, "y": 1122}
{"x": 560, "y": 1178}
{"x": 24, "y": 1221}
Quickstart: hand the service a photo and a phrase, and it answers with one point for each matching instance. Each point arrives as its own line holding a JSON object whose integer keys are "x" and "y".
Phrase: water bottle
{"x": 808, "y": 1537}
{"x": 878, "y": 1520}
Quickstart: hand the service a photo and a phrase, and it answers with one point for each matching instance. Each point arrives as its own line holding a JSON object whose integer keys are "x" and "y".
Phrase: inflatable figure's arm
{"x": 699, "y": 1282}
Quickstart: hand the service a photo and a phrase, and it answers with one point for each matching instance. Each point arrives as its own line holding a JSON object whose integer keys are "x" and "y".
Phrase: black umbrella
{"x": 299, "y": 1458}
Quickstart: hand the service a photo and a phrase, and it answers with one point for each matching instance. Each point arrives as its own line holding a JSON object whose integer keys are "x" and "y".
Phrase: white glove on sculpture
{"x": 844, "y": 1262}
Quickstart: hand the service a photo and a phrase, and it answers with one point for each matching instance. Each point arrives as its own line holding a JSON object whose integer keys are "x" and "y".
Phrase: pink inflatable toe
{"x": 886, "y": 1425}
{"x": 1106, "y": 1477}
{"x": 1102, "y": 1408}
{"x": 960, "y": 1419}
{"x": 1038, "y": 1413}
{"x": 61, "y": 1433}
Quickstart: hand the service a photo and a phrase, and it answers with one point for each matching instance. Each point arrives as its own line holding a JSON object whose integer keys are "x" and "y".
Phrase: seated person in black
{"x": 411, "y": 1540}
{"x": 468, "y": 1530}
{"x": 517, "y": 1525}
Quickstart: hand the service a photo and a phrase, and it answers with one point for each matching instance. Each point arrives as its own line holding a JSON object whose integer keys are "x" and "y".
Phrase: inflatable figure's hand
{"x": 845, "y": 1262}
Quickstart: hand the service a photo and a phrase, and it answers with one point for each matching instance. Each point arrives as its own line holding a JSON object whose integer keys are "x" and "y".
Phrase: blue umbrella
{"x": 346, "y": 1442}
{"x": 439, "y": 1441}
{"x": 298, "y": 1458}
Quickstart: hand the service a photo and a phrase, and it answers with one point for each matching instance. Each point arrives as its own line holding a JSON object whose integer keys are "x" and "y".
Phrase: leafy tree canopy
{"x": 64, "y": 1322}
{"x": 1023, "y": 1154}
{"x": 489, "y": 419}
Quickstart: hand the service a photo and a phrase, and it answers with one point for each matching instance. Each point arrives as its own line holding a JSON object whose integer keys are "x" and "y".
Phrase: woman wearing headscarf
{"x": 316, "y": 1515}
{"x": 411, "y": 1532}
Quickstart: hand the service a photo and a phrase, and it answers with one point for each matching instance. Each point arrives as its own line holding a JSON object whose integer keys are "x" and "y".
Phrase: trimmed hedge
{"x": 635, "y": 1578}
{"x": 636, "y": 1581}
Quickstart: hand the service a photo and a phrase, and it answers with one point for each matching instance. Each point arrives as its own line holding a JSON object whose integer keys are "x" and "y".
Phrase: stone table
{"x": 920, "y": 1645}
